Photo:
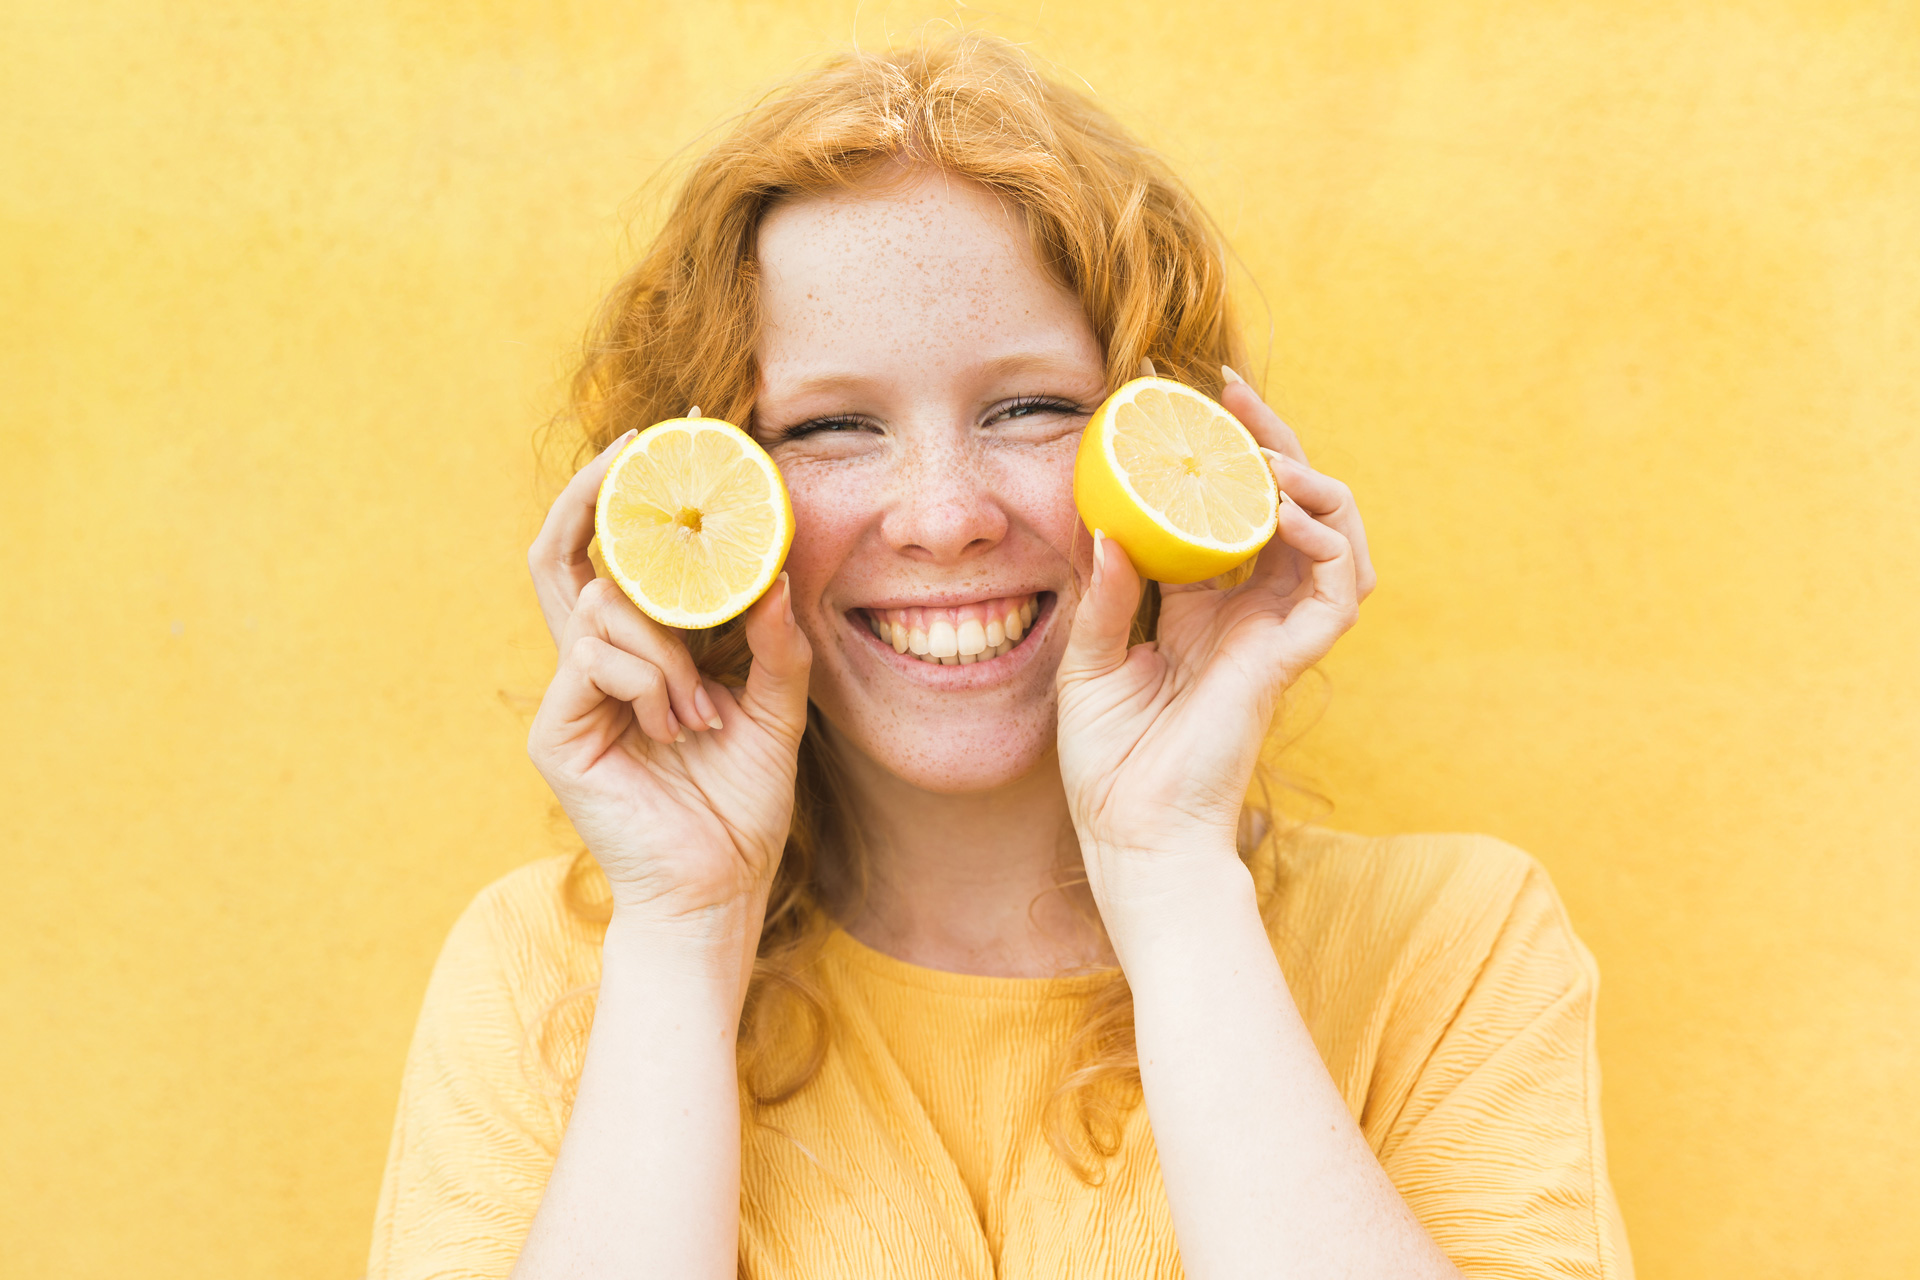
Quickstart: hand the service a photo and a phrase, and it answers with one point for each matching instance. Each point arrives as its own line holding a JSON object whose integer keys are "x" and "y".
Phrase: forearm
{"x": 1265, "y": 1170}
{"x": 648, "y": 1177}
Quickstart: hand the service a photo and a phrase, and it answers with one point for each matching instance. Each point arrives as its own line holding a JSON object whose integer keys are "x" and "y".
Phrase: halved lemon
{"x": 1176, "y": 480}
{"x": 693, "y": 521}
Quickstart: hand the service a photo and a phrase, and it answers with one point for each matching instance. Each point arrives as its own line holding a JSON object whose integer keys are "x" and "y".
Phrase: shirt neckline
{"x": 844, "y": 946}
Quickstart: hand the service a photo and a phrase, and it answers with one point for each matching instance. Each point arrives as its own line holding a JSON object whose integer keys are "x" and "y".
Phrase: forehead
{"x": 924, "y": 266}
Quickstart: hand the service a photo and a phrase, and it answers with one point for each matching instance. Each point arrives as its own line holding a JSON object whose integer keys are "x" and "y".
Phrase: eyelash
{"x": 1024, "y": 402}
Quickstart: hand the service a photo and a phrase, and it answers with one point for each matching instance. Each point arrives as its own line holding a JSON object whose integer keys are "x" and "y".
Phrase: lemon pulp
{"x": 1176, "y": 480}
{"x": 693, "y": 521}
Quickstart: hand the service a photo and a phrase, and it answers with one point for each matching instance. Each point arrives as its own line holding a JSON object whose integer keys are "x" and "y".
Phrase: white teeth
{"x": 938, "y": 639}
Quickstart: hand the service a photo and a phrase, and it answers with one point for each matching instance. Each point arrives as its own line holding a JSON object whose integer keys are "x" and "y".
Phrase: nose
{"x": 944, "y": 510}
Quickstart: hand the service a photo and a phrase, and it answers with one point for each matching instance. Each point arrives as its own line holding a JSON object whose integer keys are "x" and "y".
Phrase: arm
{"x": 648, "y": 1177}
{"x": 683, "y": 790}
{"x": 1264, "y": 1167}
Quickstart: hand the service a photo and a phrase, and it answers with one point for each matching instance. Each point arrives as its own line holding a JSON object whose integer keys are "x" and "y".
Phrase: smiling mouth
{"x": 957, "y": 635}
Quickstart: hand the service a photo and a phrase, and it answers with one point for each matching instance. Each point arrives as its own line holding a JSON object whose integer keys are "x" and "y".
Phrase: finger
{"x": 603, "y": 611}
{"x": 1332, "y": 603}
{"x": 1330, "y": 502}
{"x": 594, "y": 673}
{"x": 1103, "y": 620}
{"x": 1268, "y": 431}
{"x": 558, "y": 557}
{"x": 633, "y": 680}
{"x": 776, "y": 689}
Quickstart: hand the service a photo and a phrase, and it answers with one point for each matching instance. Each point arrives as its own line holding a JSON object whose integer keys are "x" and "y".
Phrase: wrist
{"x": 714, "y": 945}
{"x": 1152, "y": 899}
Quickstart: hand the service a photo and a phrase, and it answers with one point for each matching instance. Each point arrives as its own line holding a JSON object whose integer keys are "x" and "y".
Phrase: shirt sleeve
{"x": 480, "y": 1116}
{"x": 1499, "y": 1149}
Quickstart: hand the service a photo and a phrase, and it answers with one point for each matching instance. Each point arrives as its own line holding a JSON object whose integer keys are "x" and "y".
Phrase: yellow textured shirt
{"x": 1446, "y": 991}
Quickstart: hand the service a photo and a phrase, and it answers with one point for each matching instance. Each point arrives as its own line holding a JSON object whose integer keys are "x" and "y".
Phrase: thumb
{"x": 777, "y": 681}
{"x": 1103, "y": 620}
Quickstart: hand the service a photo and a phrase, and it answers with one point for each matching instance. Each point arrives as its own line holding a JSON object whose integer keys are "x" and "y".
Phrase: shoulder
{"x": 1385, "y": 939}
{"x": 519, "y": 942}
{"x": 1398, "y": 885}
{"x": 1454, "y": 1007}
{"x": 1313, "y": 857}
{"x": 483, "y": 1100}
{"x": 1452, "y": 890}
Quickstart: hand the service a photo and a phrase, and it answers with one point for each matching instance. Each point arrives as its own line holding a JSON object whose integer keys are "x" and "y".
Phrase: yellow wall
{"x": 1607, "y": 310}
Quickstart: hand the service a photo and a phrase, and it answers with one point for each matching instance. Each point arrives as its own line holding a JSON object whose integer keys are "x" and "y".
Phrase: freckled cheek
{"x": 1037, "y": 489}
{"x": 830, "y": 513}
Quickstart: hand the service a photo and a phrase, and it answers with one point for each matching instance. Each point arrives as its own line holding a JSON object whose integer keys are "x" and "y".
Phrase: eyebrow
{"x": 1012, "y": 363}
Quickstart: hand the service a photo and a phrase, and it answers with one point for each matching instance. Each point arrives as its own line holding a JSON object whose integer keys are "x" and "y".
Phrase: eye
{"x": 1032, "y": 407}
{"x": 839, "y": 425}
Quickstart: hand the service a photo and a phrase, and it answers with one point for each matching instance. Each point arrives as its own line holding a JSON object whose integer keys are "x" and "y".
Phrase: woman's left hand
{"x": 1158, "y": 742}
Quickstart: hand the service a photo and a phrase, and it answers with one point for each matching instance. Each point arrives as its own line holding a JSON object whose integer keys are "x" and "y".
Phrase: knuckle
{"x": 584, "y": 652}
{"x": 597, "y": 594}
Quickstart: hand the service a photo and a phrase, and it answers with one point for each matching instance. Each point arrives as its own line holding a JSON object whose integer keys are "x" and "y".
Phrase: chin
{"x": 963, "y": 763}
{"x": 964, "y": 751}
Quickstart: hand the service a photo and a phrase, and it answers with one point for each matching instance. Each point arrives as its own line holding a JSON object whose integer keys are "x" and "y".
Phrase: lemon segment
{"x": 694, "y": 521}
{"x": 1176, "y": 480}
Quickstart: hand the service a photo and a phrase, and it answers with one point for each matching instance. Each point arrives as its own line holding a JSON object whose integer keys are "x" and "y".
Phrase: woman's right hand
{"x": 681, "y": 787}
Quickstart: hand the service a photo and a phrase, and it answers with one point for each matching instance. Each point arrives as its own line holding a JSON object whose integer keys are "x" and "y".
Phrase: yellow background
{"x": 1609, "y": 311}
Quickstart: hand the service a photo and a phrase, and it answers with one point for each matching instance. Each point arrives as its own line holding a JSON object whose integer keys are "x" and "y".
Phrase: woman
{"x": 897, "y": 967}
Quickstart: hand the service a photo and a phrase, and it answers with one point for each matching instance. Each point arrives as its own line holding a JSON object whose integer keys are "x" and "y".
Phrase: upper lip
{"x": 949, "y": 599}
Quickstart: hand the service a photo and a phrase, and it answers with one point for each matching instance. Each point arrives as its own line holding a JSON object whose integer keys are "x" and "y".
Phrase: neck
{"x": 970, "y": 883}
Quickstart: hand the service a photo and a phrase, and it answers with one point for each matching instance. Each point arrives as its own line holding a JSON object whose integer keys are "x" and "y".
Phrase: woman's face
{"x": 923, "y": 386}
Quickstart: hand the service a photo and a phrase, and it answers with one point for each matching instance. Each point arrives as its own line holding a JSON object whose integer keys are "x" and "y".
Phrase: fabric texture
{"x": 1445, "y": 989}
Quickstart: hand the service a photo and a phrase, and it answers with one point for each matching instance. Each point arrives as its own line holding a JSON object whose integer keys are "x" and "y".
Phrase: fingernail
{"x": 694, "y": 412}
{"x": 704, "y": 705}
{"x": 786, "y": 587}
{"x": 1276, "y": 456}
{"x": 673, "y": 727}
{"x": 1146, "y": 368}
{"x": 622, "y": 438}
{"x": 1230, "y": 375}
{"x": 1099, "y": 545}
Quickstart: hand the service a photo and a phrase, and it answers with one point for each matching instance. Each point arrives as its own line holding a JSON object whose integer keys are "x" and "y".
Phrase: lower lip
{"x": 973, "y": 675}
